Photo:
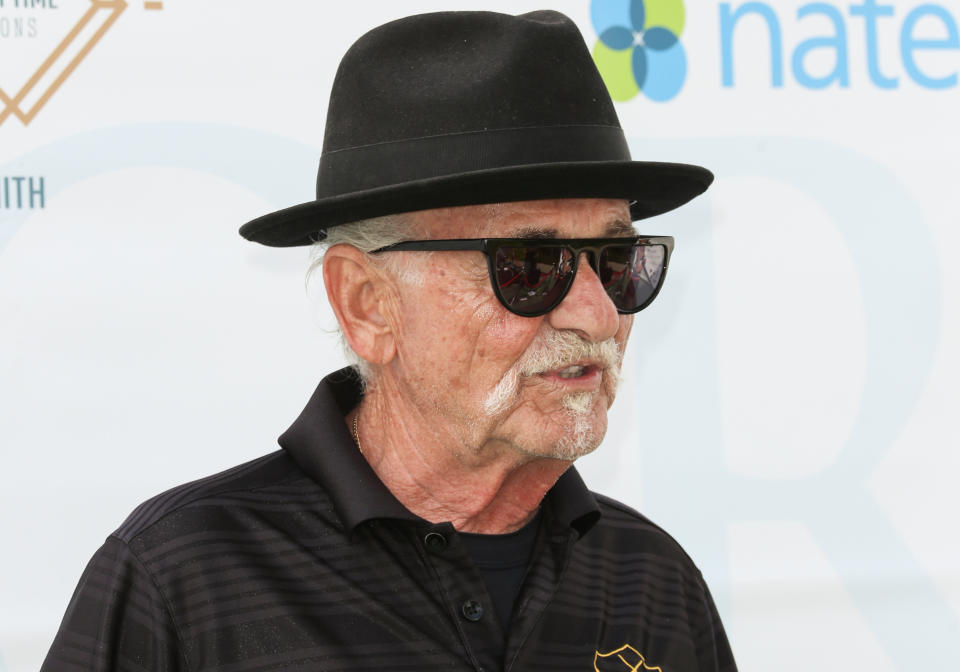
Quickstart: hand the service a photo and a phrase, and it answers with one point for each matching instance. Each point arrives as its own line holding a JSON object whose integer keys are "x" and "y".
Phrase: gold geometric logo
{"x": 59, "y": 65}
{"x": 624, "y": 659}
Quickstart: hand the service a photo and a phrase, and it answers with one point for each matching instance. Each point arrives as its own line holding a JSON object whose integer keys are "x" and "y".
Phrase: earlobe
{"x": 353, "y": 289}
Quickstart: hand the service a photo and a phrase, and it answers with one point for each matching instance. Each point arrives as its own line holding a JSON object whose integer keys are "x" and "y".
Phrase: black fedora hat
{"x": 463, "y": 108}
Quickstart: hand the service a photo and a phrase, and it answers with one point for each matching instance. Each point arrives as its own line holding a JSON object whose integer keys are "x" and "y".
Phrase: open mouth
{"x": 574, "y": 372}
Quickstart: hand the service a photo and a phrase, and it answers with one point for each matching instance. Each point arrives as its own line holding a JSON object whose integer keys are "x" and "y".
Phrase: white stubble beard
{"x": 556, "y": 350}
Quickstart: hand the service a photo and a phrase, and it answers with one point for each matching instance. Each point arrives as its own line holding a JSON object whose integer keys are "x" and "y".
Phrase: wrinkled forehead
{"x": 558, "y": 218}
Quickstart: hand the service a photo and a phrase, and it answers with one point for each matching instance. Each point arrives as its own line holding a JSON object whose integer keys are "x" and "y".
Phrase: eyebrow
{"x": 616, "y": 228}
{"x": 620, "y": 227}
{"x": 534, "y": 232}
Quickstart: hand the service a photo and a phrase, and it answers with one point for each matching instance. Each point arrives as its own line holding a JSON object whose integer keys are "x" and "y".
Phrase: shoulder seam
{"x": 139, "y": 522}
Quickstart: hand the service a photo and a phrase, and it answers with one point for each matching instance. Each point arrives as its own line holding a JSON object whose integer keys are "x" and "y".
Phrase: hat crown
{"x": 460, "y": 108}
{"x": 462, "y": 72}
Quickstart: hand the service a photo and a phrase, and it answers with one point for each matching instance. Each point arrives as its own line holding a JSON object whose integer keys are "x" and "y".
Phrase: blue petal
{"x": 666, "y": 72}
{"x": 638, "y": 14}
{"x": 659, "y": 39}
{"x": 606, "y": 14}
{"x": 617, "y": 38}
{"x": 639, "y": 62}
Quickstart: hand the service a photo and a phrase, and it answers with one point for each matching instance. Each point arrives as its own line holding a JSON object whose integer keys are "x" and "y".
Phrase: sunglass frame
{"x": 577, "y": 246}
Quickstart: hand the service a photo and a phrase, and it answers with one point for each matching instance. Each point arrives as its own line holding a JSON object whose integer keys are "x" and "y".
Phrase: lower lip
{"x": 588, "y": 381}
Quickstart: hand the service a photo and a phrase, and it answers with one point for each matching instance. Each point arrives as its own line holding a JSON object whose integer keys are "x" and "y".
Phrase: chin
{"x": 576, "y": 430}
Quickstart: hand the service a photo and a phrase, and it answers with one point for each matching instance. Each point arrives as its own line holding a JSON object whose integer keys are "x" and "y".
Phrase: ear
{"x": 354, "y": 289}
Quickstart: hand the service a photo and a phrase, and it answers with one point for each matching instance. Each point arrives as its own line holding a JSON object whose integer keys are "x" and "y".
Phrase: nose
{"x": 586, "y": 308}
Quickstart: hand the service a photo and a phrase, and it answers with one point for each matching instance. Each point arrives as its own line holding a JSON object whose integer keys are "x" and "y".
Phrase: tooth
{"x": 571, "y": 372}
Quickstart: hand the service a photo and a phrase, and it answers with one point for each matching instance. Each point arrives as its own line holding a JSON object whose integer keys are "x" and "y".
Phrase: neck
{"x": 480, "y": 485}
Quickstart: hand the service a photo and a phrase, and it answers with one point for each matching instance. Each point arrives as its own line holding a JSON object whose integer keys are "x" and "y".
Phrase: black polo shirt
{"x": 303, "y": 560}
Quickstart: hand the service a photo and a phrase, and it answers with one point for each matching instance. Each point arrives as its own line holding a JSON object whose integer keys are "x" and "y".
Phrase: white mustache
{"x": 560, "y": 349}
{"x": 556, "y": 350}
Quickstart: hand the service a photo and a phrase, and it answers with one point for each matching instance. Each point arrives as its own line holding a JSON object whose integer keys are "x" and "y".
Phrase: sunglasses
{"x": 530, "y": 276}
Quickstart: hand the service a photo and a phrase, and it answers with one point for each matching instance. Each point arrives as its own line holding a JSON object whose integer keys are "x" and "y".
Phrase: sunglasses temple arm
{"x": 452, "y": 245}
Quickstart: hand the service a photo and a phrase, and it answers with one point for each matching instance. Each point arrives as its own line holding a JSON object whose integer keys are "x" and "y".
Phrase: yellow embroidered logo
{"x": 619, "y": 660}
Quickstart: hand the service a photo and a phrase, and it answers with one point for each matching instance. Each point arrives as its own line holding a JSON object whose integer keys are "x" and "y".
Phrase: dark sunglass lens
{"x": 532, "y": 278}
{"x": 631, "y": 274}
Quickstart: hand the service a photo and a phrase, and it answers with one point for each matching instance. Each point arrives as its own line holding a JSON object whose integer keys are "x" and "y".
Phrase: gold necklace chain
{"x": 356, "y": 432}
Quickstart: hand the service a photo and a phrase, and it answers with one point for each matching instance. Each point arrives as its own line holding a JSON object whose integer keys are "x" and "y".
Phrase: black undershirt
{"x": 502, "y": 560}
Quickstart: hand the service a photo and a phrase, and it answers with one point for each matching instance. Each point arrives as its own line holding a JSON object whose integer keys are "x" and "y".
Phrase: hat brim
{"x": 651, "y": 187}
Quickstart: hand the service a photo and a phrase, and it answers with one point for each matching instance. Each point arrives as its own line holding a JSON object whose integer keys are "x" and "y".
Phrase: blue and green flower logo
{"x": 639, "y": 47}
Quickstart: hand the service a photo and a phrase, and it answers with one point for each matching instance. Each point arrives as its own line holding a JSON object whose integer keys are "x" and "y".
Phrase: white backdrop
{"x": 790, "y": 406}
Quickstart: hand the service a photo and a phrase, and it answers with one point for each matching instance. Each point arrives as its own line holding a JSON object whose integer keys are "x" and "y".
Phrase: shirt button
{"x": 435, "y": 541}
{"x": 472, "y": 610}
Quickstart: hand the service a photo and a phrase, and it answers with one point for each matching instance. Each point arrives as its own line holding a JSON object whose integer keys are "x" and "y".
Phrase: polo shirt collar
{"x": 571, "y": 503}
{"x": 320, "y": 443}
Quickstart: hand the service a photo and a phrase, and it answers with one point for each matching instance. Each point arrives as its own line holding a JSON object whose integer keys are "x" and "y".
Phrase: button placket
{"x": 465, "y": 594}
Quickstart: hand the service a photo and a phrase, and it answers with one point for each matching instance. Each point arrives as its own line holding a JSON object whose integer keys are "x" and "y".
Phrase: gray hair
{"x": 368, "y": 235}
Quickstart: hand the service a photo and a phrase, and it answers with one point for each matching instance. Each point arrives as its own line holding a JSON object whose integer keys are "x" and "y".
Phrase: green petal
{"x": 666, "y": 14}
{"x": 617, "y": 71}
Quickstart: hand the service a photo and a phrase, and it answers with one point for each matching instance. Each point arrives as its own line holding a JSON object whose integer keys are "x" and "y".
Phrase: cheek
{"x": 431, "y": 323}
{"x": 453, "y": 327}
{"x": 441, "y": 327}
{"x": 505, "y": 336}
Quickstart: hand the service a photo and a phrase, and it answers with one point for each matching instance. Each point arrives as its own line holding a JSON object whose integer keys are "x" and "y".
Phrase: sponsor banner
{"x": 787, "y": 410}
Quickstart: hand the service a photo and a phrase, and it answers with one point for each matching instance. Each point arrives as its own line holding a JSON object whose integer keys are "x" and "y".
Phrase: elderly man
{"x": 475, "y": 203}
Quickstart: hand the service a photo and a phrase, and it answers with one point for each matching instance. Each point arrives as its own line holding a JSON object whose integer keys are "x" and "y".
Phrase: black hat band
{"x": 371, "y": 166}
